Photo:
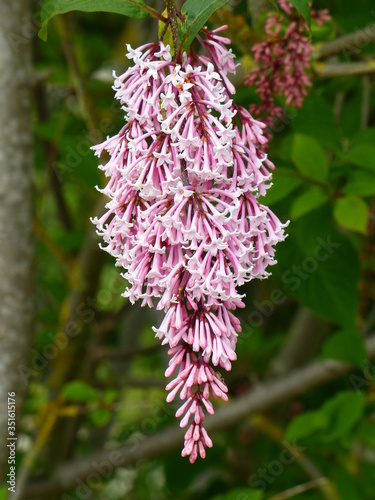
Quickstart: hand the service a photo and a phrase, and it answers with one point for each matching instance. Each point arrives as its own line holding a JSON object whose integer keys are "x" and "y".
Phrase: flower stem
{"x": 184, "y": 173}
{"x": 154, "y": 13}
{"x": 172, "y": 16}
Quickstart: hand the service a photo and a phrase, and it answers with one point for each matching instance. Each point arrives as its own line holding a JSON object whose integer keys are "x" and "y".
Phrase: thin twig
{"x": 124, "y": 354}
{"x": 338, "y": 105}
{"x": 31, "y": 457}
{"x": 370, "y": 322}
{"x": 50, "y": 152}
{"x": 327, "y": 70}
{"x": 78, "y": 80}
{"x": 138, "y": 382}
{"x": 276, "y": 433}
{"x": 366, "y": 101}
{"x": 301, "y": 488}
{"x": 153, "y": 13}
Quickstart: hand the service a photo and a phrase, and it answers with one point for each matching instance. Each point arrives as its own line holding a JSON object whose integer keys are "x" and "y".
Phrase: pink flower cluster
{"x": 283, "y": 61}
{"x": 184, "y": 220}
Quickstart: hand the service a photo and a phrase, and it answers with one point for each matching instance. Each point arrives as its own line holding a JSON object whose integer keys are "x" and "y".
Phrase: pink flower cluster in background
{"x": 184, "y": 220}
{"x": 283, "y": 61}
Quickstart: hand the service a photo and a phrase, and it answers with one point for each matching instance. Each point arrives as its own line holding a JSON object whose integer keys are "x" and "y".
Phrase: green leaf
{"x": 79, "y": 392}
{"x": 306, "y": 202}
{"x": 136, "y": 9}
{"x": 111, "y": 395}
{"x": 352, "y": 213}
{"x": 348, "y": 486}
{"x": 197, "y": 13}
{"x": 345, "y": 345}
{"x": 70, "y": 241}
{"x": 362, "y": 156}
{"x": 332, "y": 421}
{"x": 303, "y": 8}
{"x": 168, "y": 37}
{"x": 367, "y": 432}
{"x": 275, "y": 5}
{"x": 316, "y": 119}
{"x": 364, "y": 136}
{"x": 309, "y": 157}
{"x": 240, "y": 494}
{"x": 100, "y": 417}
{"x": 3, "y": 493}
{"x": 361, "y": 183}
{"x": 322, "y": 32}
{"x": 306, "y": 424}
{"x": 283, "y": 184}
{"x": 343, "y": 411}
{"x": 313, "y": 267}
{"x": 349, "y": 19}
{"x": 350, "y": 119}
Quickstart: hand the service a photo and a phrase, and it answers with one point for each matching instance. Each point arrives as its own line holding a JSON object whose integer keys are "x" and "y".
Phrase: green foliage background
{"x": 97, "y": 382}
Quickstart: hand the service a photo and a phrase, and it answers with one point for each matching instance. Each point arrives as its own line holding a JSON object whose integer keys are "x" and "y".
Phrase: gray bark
{"x": 350, "y": 44}
{"x": 16, "y": 221}
{"x": 307, "y": 333}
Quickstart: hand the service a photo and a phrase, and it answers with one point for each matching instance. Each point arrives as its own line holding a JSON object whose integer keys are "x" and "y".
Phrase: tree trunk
{"x": 16, "y": 218}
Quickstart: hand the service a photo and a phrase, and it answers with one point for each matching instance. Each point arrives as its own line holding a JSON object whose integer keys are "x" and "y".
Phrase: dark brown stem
{"x": 172, "y": 16}
{"x": 154, "y": 13}
{"x": 50, "y": 153}
{"x": 184, "y": 173}
{"x": 164, "y": 30}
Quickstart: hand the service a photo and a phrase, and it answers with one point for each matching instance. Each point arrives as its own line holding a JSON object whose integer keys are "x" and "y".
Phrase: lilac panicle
{"x": 283, "y": 61}
{"x": 183, "y": 218}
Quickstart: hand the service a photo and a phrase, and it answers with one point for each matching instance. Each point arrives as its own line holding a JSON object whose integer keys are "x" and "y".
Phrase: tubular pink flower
{"x": 183, "y": 217}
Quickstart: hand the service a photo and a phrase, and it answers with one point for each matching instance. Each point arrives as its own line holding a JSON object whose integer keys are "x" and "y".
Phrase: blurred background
{"x": 92, "y": 421}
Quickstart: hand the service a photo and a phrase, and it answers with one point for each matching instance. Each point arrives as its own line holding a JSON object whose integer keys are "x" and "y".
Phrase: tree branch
{"x": 319, "y": 482}
{"x": 262, "y": 397}
{"x": 351, "y": 43}
{"x": 307, "y": 332}
{"x": 327, "y": 70}
{"x": 124, "y": 354}
{"x": 16, "y": 212}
